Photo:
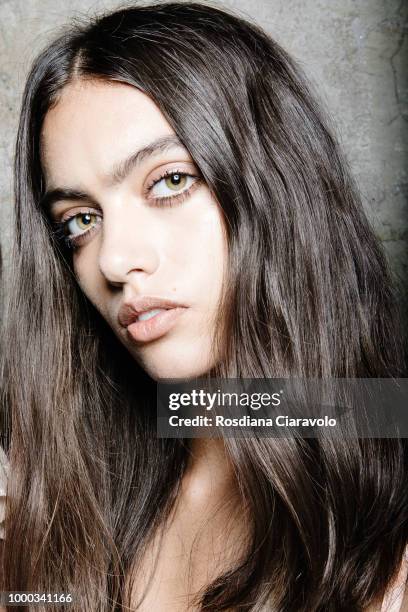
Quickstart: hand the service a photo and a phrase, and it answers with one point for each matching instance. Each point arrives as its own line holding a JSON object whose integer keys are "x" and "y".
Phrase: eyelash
{"x": 71, "y": 242}
{"x": 68, "y": 241}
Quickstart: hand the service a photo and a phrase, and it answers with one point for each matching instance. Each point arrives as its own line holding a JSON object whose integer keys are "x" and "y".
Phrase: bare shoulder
{"x": 2, "y": 608}
{"x": 404, "y": 606}
{"x": 396, "y": 596}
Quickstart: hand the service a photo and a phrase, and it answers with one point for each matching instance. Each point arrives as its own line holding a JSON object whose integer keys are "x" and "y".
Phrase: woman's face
{"x": 148, "y": 237}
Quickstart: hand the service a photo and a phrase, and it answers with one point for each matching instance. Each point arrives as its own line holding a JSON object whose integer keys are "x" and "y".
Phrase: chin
{"x": 160, "y": 363}
{"x": 170, "y": 371}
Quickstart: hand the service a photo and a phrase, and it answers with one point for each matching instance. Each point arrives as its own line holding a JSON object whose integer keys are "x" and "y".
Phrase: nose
{"x": 129, "y": 247}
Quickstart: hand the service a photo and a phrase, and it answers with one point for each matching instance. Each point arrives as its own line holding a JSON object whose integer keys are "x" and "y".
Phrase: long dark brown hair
{"x": 308, "y": 295}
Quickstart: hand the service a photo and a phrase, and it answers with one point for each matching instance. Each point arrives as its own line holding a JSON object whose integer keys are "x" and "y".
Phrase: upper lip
{"x": 129, "y": 311}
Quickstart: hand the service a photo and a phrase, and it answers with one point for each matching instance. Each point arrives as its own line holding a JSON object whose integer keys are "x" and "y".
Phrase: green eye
{"x": 172, "y": 185}
{"x": 176, "y": 181}
{"x": 81, "y": 223}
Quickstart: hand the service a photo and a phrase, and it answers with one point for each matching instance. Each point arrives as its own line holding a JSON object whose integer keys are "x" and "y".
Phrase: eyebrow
{"x": 118, "y": 173}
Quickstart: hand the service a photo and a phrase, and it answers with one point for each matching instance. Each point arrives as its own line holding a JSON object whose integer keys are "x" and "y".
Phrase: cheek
{"x": 88, "y": 274}
{"x": 212, "y": 253}
{"x": 199, "y": 244}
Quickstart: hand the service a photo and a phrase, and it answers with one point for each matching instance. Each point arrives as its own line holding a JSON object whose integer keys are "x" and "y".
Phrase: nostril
{"x": 121, "y": 257}
{"x": 114, "y": 284}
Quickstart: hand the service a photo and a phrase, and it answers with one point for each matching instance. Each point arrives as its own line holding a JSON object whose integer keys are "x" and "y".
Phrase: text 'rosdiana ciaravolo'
{"x": 203, "y": 400}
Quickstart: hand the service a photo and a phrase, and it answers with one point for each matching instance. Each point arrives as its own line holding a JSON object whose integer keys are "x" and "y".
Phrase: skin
{"x": 137, "y": 247}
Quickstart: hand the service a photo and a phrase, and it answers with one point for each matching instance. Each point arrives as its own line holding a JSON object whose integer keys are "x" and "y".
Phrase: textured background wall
{"x": 355, "y": 51}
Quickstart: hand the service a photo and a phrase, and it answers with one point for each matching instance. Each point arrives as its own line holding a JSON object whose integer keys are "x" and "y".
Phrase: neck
{"x": 209, "y": 471}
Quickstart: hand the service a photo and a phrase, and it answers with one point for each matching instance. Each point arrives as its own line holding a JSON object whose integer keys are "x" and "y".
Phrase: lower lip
{"x": 157, "y": 326}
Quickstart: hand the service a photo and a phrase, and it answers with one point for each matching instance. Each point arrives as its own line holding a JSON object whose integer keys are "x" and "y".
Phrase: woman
{"x": 183, "y": 210}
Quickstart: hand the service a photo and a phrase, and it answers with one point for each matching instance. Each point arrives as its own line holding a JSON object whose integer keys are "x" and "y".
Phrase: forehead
{"x": 93, "y": 124}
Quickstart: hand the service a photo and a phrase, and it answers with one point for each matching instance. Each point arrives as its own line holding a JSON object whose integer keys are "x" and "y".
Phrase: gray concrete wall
{"x": 355, "y": 51}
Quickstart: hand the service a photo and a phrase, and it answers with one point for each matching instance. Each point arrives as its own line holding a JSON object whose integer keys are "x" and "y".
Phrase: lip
{"x": 157, "y": 326}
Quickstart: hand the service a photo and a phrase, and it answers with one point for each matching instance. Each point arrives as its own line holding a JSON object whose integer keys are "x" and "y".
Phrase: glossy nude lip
{"x": 156, "y": 326}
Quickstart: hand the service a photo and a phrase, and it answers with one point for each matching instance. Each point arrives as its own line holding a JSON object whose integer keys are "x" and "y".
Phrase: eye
{"x": 172, "y": 183}
{"x": 81, "y": 223}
